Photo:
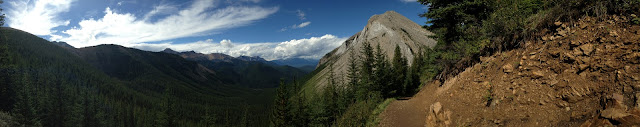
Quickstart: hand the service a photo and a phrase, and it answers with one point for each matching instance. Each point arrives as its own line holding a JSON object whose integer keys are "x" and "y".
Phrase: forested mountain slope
{"x": 253, "y": 72}
{"x": 107, "y": 85}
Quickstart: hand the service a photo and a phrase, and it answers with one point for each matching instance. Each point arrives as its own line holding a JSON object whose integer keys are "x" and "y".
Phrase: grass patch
{"x": 374, "y": 119}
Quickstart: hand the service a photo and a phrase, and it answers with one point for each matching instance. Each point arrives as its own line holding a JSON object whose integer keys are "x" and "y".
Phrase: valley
{"x": 463, "y": 63}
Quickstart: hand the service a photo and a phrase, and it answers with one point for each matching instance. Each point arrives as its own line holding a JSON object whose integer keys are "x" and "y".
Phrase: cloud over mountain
{"x": 164, "y": 22}
{"x": 312, "y": 48}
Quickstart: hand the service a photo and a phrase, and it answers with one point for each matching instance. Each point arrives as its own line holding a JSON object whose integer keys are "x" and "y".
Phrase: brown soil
{"x": 583, "y": 73}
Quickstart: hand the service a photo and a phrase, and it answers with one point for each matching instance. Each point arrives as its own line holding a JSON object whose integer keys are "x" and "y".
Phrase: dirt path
{"x": 408, "y": 113}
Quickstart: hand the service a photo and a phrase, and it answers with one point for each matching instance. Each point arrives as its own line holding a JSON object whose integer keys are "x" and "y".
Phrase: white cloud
{"x": 39, "y": 16}
{"x": 126, "y": 29}
{"x": 160, "y": 9}
{"x": 296, "y": 26}
{"x": 304, "y": 24}
{"x": 312, "y": 48}
{"x": 301, "y": 15}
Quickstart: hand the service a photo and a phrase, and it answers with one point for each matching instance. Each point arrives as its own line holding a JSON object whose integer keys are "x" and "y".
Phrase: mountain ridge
{"x": 387, "y": 30}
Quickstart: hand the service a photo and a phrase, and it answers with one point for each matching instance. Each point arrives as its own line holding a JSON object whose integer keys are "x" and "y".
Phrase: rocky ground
{"x": 585, "y": 73}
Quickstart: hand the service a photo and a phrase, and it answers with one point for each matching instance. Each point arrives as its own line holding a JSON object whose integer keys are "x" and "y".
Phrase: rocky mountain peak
{"x": 170, "y": 51}
{"x": 388, "y": 30}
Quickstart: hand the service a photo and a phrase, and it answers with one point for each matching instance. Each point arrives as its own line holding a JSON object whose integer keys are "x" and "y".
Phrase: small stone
{"x": 436, "y": 107}
{"x": 570, "y": 56}
{"x": 507, "y": 68}
{"x": 613, "y": 113}
{"x": 587, "y": 49}
{"x": 558, "y": 23}
{"x": 613, "y": 33}
{"x": 537, "y": 74}
{"x": 567, "y": 108}
{"x": 583, "y": 66}
{"x": 618, "y": 97}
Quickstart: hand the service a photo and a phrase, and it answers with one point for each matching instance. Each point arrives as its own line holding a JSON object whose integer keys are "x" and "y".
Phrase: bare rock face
{"x": 387, "y": 30}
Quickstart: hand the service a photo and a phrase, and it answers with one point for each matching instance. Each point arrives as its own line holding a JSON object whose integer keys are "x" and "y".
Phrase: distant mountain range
{"x": 305, "y": 64}
{"x": 254, "y": 72}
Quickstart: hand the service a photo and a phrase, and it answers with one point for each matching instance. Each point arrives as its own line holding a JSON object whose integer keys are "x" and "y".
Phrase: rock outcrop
{"x": 387, "y": 30}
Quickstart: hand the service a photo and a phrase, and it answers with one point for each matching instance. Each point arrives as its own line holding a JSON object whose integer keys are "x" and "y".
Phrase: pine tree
{"x": 412, "y": 81}
{"x": 279, "y": 117}
{"x": 352, "y": 79}
{"x": 381, "y": 74}
{"x": 399, "y": 71}
{"x": 366, "y": 72}
{"x": 24, "y": 108}
{"x": 301, "y": 117}
{"x": 329, "y": 95}
{"x": 6, "y": 88}
{"x": 165, "y": 117}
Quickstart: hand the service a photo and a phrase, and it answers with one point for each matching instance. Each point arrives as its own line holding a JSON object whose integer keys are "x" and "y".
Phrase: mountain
{"x": 387, "y": 30}
{"x": 253, "y": 72}
{"x": 249, "y": 58}
{"x": 51, "y": 84}
{"x": 296, "y": 62}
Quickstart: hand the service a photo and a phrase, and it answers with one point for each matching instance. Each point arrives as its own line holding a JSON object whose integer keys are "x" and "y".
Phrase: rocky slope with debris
{"x": 387, "y": 30}
{"x": 584, "y": 73}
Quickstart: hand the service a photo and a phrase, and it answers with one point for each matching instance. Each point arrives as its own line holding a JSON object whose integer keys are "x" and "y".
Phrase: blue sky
{"x": 272, "y": 29}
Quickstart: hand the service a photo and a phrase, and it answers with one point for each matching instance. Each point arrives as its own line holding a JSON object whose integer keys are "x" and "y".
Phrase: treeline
{"x": 467, "y": 29}
{"x": 42, "y": 84}
{"x": 353, "y": 99}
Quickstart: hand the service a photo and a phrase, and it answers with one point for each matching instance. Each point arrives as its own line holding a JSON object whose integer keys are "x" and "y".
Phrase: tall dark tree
{"x": 301, "y": 114}
{"x": 24, "y": 108}
{"x": 399, "y": 71}
{"x": 330, "y": 94}
{"x": 280, "y": 115}
{"x": 366, "y": 71}
{"x": 6, "y": 68}
{"x": 412, "y": 80}
{"x": 352, "y": 78}
{"x": 166, "y": 117}
{"x": 381, "y": 73}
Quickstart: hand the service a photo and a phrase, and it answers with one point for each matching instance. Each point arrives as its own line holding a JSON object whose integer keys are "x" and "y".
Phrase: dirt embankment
{"x": 583, "y": 73}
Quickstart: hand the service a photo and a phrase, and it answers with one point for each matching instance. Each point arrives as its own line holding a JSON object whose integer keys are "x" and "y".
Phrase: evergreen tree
{"x": 165, "y": 117}
{"x": 366, "y": 72}
{"x": 24, "y": 110}
{"x": 412, "y": 81}
{"x": 399, "y": 71}
{"x": 6, "y": 88}
{"x": 381, "y": 74}
{"x": 301, "y": 115}
{"x": 352, "y": 80}
{"x": 330, "y": 94}
{"x": 279, "y": 117}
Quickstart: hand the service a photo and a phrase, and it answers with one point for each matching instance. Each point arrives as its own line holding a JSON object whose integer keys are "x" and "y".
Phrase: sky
{"x": 271, "y": 29}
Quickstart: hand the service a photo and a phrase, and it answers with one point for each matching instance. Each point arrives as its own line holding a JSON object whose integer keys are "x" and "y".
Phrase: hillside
{"x": 386, "y": 30}
{"x": 109, "y": 85}
{"x": 583, "y": 73}
{"x": 253, "y": 72}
